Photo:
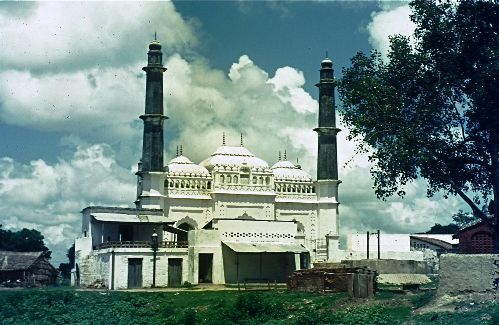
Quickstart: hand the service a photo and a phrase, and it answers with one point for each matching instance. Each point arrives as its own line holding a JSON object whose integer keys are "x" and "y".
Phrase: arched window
{"x": 208, "y": 185}
{"x": 222, "y": 179}
{"x": 229, "y": 179}
{"x": 235, "y": 179}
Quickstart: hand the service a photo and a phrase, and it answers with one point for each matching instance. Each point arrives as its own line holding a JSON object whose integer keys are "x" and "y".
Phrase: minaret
{"x": 151, "y": 174}
{"x": 327, "y": 161}
{"x": 152, "y": 145}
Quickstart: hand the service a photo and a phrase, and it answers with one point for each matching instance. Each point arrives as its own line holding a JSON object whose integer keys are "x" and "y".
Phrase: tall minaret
{"x": 151, "y": 171}
{"x": 327, "y": 160}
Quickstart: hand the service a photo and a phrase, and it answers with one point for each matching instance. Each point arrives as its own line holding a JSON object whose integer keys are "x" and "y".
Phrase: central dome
{"x": 227, "y": 156}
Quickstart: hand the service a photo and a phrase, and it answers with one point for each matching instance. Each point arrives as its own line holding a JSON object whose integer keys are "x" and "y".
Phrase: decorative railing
{"x": 141, "y": 244}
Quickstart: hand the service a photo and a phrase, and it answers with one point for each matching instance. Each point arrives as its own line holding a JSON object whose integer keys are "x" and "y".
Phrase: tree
{"x": 430, "y": 110}
{"x": 462, "y": 218}
{"x": 439, "y": 229}
{"x": 65, "y": 268}
{"x": 24, "y": 240}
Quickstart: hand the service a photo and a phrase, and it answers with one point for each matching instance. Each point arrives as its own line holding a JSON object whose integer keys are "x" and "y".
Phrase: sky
{"x": 72, "y": 89}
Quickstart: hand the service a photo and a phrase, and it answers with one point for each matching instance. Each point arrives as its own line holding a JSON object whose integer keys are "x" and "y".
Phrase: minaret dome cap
{"x": 155, "y": 45}
{"x": 327, "y": 63}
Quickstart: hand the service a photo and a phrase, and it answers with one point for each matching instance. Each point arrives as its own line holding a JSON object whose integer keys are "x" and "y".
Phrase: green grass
{"x": 67, "y": 306}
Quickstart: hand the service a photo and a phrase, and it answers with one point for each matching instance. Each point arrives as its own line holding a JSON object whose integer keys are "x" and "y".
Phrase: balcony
{"x": 140, "y": 244}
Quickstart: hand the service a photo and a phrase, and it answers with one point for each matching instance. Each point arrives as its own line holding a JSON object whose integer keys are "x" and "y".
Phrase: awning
{"x": 128, "y": 218}
{"x": 239, "y": 247}
{"x": 172, "y": 229}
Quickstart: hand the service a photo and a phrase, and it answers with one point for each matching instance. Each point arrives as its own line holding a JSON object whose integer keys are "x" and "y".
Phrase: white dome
{"x": 234, "y": 157}
{"x": 181, "y": 165}
{"x": 286, "y": 170}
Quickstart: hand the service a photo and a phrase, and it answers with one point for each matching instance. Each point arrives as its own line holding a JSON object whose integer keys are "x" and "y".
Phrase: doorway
{"x": 134, "y": 273}
{"x": 205, "y": 268}
{"x": 174, "y": 272}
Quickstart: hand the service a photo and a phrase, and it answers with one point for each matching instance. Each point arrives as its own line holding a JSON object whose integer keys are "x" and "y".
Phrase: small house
{"x": 32, "y": 269}
{"x": 476, "y": 238}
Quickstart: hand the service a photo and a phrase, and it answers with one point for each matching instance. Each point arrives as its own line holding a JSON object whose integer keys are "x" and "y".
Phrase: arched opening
{"x": 183, "y": 236}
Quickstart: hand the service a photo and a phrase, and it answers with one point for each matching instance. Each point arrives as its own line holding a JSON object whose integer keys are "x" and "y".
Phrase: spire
{"x": 181, "y": 153}
{"x": 279, "y": 155}
{"x": 285, "y": 155}
{"x": 155, "y": 38}
{"x": 177, "y": 151}
{"x": 223, "y": 139}
{"x": 242, "y": 140}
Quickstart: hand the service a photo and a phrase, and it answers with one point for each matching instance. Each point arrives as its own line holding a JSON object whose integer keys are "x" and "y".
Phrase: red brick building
{"x": 476, "y": 239}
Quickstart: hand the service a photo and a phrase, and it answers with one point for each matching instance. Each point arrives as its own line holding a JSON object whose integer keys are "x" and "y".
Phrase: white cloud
{"x": 390, "y": 21}
{"x": 48, "y": 197}
{"x": 72, "y": 36}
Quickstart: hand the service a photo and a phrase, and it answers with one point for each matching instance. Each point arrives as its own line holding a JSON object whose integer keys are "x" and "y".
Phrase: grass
{"x": 67, "y": 306}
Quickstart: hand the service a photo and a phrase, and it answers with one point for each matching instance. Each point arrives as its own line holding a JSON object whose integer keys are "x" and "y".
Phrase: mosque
{"x": 231, "y": 218}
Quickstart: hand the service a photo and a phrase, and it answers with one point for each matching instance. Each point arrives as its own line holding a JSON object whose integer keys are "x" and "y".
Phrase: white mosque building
{"x": 231, "y": 218}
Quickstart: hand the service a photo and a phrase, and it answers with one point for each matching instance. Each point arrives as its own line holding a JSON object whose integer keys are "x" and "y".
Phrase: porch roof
{"x": 128, "y": 218}
{"x": 247, "y": 247}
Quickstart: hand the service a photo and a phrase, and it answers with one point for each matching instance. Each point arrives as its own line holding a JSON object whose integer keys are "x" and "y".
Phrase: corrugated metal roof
{"x": 15, "y": 261}
{"x": 131, "y": 218}
{"x": 265, "y": 247}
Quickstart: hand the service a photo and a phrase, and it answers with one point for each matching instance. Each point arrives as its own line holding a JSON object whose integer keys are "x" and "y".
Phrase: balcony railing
{"x": 141, "y": 244}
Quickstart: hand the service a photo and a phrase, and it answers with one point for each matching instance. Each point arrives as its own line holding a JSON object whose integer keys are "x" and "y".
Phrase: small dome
{"x": 327, "y": 63}
{"x": 234, "y": 157}
{"x": 155, "y": 45}
{"x": 286, "y": 171}
{"x": 181, "y": 165}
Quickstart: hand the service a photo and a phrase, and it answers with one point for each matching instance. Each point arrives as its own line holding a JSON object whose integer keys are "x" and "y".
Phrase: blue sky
{"x": 71, "y": 91}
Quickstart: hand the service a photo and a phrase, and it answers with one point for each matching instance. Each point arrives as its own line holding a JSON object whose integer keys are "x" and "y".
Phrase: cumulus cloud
{"x": 48, "y": 197}
{"x": 71, "y": 36}
{"x": 246, "y": 100}
{"x": 391, "y": 20}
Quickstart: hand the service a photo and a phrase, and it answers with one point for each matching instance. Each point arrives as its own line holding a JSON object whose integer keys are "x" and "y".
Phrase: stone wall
{"x": 464, "y": 273}
{"x": 391, "y": 266}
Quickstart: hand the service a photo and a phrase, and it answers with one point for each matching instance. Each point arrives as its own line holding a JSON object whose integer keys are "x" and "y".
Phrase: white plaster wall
{"x": 339, "y": 255}
{"x": 256, "y": 230}
{"x": 205, "y": 242}
{"x": 103, "y": 266}
{"x": 388, "y": 242}
{"x": 83, "y": 246}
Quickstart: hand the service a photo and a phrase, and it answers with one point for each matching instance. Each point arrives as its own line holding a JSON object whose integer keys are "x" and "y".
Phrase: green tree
{"x": 24, "y": 240}
{"x": 462, "y": 218}
{"x": 65, "y": 268}
{"x": 437, "y": 228}
{"x": 430, "y": 109}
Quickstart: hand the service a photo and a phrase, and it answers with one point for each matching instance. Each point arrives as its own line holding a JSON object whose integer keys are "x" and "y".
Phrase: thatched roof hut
{"x": 31, "y": 268}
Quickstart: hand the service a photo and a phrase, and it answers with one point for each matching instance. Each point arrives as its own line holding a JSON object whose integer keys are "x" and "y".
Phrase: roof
{"x": 227, "y": 156}
{"x": 472, "y": 225}
{"x": 239, "y": 247}
{"x": 286, "y": 170}
{"x": 131, "y": 218}
{"x": 437, "y": 242}
{"x": 181, "y": 165}
{"x": 17, "y": 261}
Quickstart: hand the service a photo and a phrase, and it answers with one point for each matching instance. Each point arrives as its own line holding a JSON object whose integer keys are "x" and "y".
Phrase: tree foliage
{"x": 431, "y": 108}
{"x": 24, "y": 240}
{"x": 65, "y": 268}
